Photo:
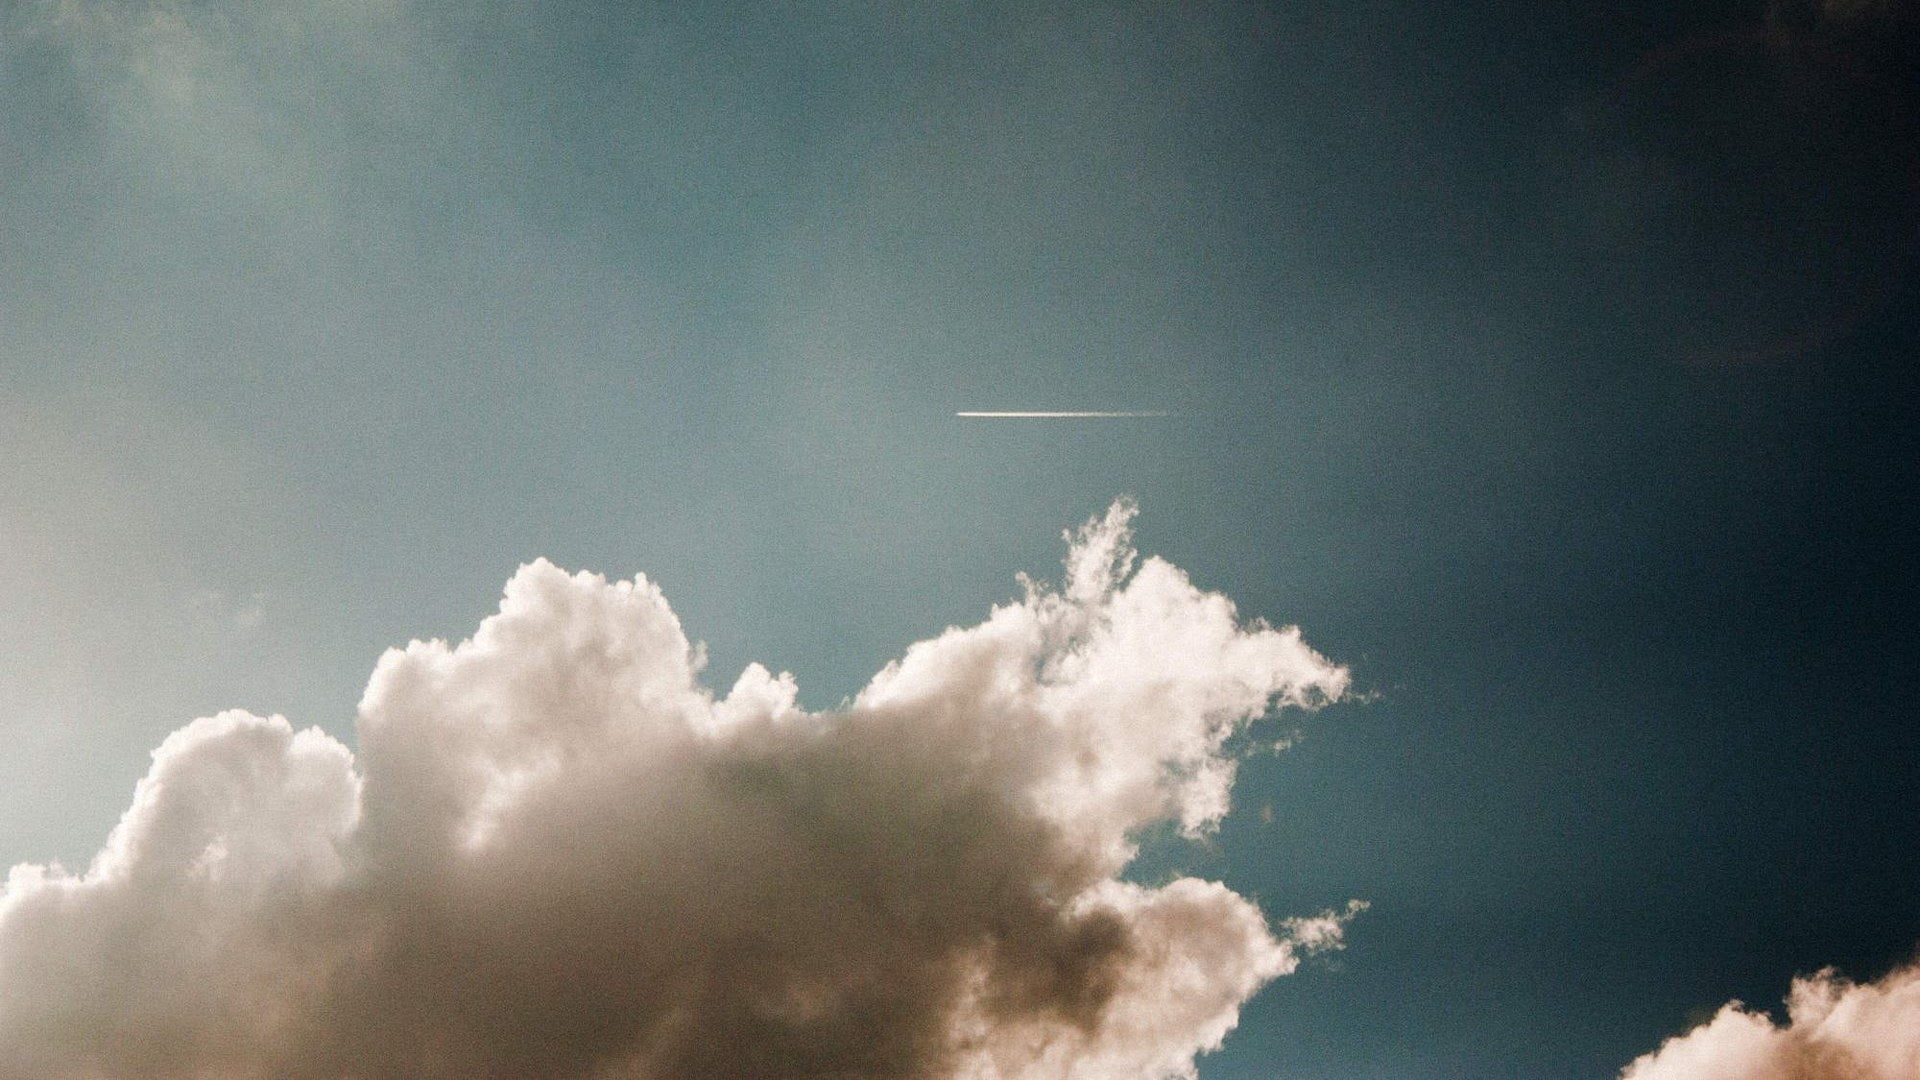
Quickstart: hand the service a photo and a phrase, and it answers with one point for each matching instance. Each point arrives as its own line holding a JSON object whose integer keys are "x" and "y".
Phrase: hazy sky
{"x": 1549, "y": 365}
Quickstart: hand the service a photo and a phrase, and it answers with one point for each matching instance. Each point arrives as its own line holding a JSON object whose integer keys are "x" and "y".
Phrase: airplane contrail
{"x": 1065, "y": 415}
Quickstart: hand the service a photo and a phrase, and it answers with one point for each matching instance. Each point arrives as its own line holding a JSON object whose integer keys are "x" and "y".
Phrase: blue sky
{"x": 1550, "y": 367}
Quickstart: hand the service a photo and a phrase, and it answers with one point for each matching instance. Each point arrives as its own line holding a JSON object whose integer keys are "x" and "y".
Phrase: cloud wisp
{"x": 556, "y": 854}
{"x": 1836, "y": 1029}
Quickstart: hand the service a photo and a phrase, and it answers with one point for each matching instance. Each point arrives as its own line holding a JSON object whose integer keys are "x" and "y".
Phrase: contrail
{"x": 1062, "y": 415}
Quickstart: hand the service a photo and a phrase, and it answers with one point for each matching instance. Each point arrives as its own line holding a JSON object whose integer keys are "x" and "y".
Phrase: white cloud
{"x": 556, "y": 855}
{"x": 1835, "y": 1030}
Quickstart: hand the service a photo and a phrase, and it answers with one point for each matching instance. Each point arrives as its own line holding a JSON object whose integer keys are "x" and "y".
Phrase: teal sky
{"x": 1551, "y": 368}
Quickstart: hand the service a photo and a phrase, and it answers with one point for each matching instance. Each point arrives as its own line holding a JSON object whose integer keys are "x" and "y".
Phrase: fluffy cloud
{"x": 1835, "y": 1030}
{"x": 557, "y": 855}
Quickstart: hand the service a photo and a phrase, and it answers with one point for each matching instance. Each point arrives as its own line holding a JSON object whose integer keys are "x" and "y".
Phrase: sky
{"x": 1549, "y": 366}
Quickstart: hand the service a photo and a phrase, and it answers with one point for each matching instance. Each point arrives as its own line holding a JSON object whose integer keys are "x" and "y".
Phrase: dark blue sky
{"x": 1551, "y": 365}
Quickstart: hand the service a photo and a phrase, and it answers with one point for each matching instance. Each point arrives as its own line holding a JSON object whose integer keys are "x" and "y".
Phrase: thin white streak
{"x": 1061, "y": 415}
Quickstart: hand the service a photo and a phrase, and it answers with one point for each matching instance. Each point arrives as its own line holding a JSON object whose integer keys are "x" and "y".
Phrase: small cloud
{"x": 218, "y": 611}
{"x": 249, "y": 615}
{"x": 1325, "y": 932}
{"x": 1836, "y": 1029}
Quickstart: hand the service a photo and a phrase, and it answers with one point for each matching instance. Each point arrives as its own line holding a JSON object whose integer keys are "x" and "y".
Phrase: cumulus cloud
{"x": 1835, "y": 1030}
{"x": 557, "y": 855}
